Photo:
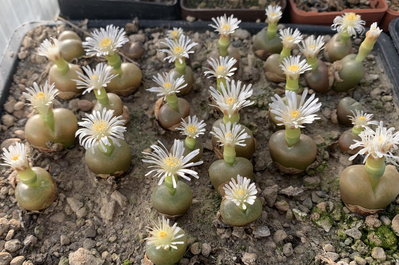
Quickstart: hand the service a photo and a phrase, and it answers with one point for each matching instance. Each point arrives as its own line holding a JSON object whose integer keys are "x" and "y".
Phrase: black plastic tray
{"x": 394, "y": 32}
{"x": 384, "y": 46}
{"x": 118, "y": 9}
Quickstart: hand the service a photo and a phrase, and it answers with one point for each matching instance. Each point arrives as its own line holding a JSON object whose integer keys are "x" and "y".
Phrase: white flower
{"x": 175, "y": 33}
{"x": 41, "y": 97}
{"x": 293, "y": 114}
{"x": 223, "y": 67}
{"x": 379, "y": 143}
{"x": 164, "y": 236}
{"x": 361, "y": 119}
{"x": 290, "y": 37}
{"x": 94, "y": 78}
{"x": 311, "y": 47}
{"x": 240, "y": 191}
{"x": 103, "y": 42}
{"x": 16, "y": 157}
{"x": 193, "y": 127}
{"x": 101, "y": 128}
{"x": 232, "y": 98}
{"x": 49, "y": 49}
{"x": 225, "y": 25}
{"x": 171, "y": 163}
{"x": 350, "y": 23}
{"x": 168, "y": 84}
{"x": 178, "y": 49}
{"x": 374, "y": 31}
{"x": 230, "y": 134}
{"x": 273, "y": 13}
{"x": 292, "y": 66}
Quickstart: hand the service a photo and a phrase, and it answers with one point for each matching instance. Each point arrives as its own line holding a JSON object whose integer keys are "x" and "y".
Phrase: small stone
{"x": 261, "y": 231}
{"x": 206, "y": 249}
{"x": 19, "y": 260}
{"x": 279, "y": 236}
{"x": 195, "y": 248}
{"x": 249, "y": 258}
{"x": 90, "y": 231}
{"x": 395, "y": 224}
{"x": 282, "y": 206}
{"x": 77, "y": 207}
{"x": 5, "y": 258}
{"x": 8, "y": 120}
{"x": 13, "y": 245}
{"x": 378, "y": 253}
{"x": 85, "y": 105}
{"x": 63, "y": 261}
{"x": 354, "y": 233}
{"x": 10, "y": 235}
{"x": 270, "y": 194}
{"x": 19, "y": 105}
{"x": 83, "y": 256}
{"x": 9, "y": 105}
{"x": 292, "y": 191}
{"x": 311, "y": 182}
{"x": 20, "y": 134}
{"x": 119, "y": 198}
{"x": 241, "y": 34}
{"x": 64, "y": 240}
{"x": 372, "y": 221}
{"x": 332, "y": 255}
{"x": 288, "y": 250}
{"x": 190, "y": 19}
{"x": 30, "y": 241}
{"x": 329, "y": 248}
{"x": 112, "y": 238}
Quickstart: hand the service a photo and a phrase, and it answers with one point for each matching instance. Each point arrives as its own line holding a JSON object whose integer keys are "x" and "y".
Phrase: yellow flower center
{"x": 162, "y": 234}
{"x": 226, "y": 27}
{"x": 171, "y": 162}
{"x": 106, "y": 42}
{"x": 272, "y": 14}
{"x": 289, "y": 38}
{"x": 362, "y": 118}
{"x": 293, "y": 68}
{"x": 312, "y": 47}
{"x": 220, "y": 68}
{"x": 178, "y": 49}
{"x": 40, "y": 95}
{"x": 230, "y": 100}
{"x": 240, "y": 192}
{"x": 295, "y": 113}
{"x": 351, "y": 16}
{"x": 167, "y": 85}
{"x": 229, "y": 135}
{"x": 174, "y": 33}
{"x": 100, "y": 126}
{"x": 15, "y": 157}
{"x": 94, "y": 77}
{"x": 191, "y": 128}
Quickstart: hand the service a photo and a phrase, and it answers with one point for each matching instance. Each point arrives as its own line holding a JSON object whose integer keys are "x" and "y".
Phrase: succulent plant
{"x": 105, "y": 42}
{"x": 266, "y": 41}
{"x": 345, "y": 108}
{"x": 171, "y": 197}
{"x": 62, "y": 74}
{"x": 50, "y": 129}
{"x": 293, "y": 67}
{"x": 221, "y": 69}
{"x": 292, "y": 151}
{"x": 70, "y": 45}
{"x": 192, "y": 129}
{"x": 101, "y": 134}
{"x": 225, "y": 26}
{"x": 35, "y": 190}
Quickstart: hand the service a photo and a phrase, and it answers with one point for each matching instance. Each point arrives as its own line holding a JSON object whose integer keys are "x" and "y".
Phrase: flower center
{"x": 167, "y": 85}
{"x": 226, "y": 27}
{"x": 230, "y": 100}
{"x": 229, "y": 136}
{"x": 351, "y": 16}
{"x": 312, "y": 47}
{"x": 362, "y": 118}
{"x": 15, "y": 157}
{"x": 162, "y": 234}
{"x": 100, "y": 127}
{"x": 178, "y": 49}
{"x": 106, "y": 42}
{"x": 272, "y": 14}
{"x": 240, "y": 192}
{"x": 40, "y": 95}
{"x": 220, "y": 69}
{"x": 191, "y": 128}
{"x": 295, "y": 113}
{"x": 94, "y": 77}
{"x": 293, "y": 68}
{"x": 171, "y": 162}
{"x": 289, "y": 38}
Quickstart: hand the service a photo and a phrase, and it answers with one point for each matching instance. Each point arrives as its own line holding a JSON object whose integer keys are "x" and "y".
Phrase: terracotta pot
{"x": 374, "y": 14}
{"x": 209, "y": 13}
{"x": 389, "y": 16}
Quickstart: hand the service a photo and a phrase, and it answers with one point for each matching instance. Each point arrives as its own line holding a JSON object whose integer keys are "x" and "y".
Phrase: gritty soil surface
{"x": 230, "y": 4}
{"x": 393, "y": 4}
{"x": 104, "y": 220}
{"x": 330, "y": 6}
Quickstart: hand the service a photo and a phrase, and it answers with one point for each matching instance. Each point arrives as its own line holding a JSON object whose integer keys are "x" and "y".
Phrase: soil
{"x": 331, "y": 6}
{"x": 229, "y": 4}
{"x": 393, "y": 4}
{"x": 303, "y": 220}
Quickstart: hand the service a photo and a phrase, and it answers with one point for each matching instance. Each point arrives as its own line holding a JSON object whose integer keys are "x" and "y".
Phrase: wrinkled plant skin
{"x": 345, "y": 107}
{"x": 318, "y": 79}
{"x": 126, "y": 83}
{"x": 232, "y": 215}
{"x": 115, "y": 103}
{"x": 64, "y": 82}
{"x": 346, "y": 140}
{"x": 198, "y": 145}
{"x": 70, "y": 45}
{"x": 188, "y": 78}
{"x": 292, "y": 159}
{"x": 351, "y": 73}
{"x": 273, "y": 70}
{"x": 116, "y": 163}
{"x": 169, "y": 118}
{"x": 264, "y": 46}
{"x": 246, "y": 151}
{"x": 356, "y": 188}
{"x": 221, "y": 172}
{"x": 169, "y": 204}
{"x": 336, "y": 48}
{"x": 40, "y": 194}
{"x": 167, "y": 256}
{"x": 39, "y": 135}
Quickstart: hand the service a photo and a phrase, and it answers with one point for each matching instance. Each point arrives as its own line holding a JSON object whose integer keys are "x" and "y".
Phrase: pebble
{"x": 77, "y": 207}
{"x": 8, "y": 120}
{"x": 64, "y": 240}
{"x": 372, "y": 221}
{"x": 83, "y": 256}
{"x": 332, "y": 255}
{"x": 279, "y": 236}
{"x": 13, "y": 245}
{"x": 20, "y": 134}
{"x": 282, "y": 206}
{"x": 329, "y": 248}
{"x": 292, "y": 191}
{"x": 249, "y": 258}
{"x": 85, "y": 105}
{"x": 241, "y": 34}
{"x": 288, "y": 250}
{"x": 30, "y": 241}
{"x": 270, "y": 194}
{"x": 19, "y": 260}
{"x": 354, "y": 233}
{"x": 5, "y": 258}
{"x": 261, "y": 231}
{"x": 311, "y": 182}
{"x": 395, "y": 224}
{"x": 10, "y": 234}
{"x": 206, "y": 249}
{"x": 195, "y": 248}
{"x": 378, "y": 253}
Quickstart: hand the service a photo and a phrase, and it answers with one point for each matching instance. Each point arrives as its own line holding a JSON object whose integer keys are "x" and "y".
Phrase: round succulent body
{"x": 37, "y": 194}
{"x": 363, "y": 193}
{"x": 337, "y": 48}
{"x": 220, "y": 172}
{"x": 128, "y": 79}
{"x": 188, "y": 79}
{"x": 292, "y": 159}
{"x": 168, "y": 117}
{"x": 352, "y": 71}
{"x": 346, "y": 107}
{"x": 346, "y": 140}
{"x": 273, "y": 70}
{"x": 264, "y": 46}
{"x": 115, "y": 163}
{"x": 115, "y": 103}
{"x": 39, "y": 135}
{"x": 317, "y": 79}
{"x": 70, "y": 45}
{"x": 246, "y": 151}
{"x": 233, "y": 215}
{"x": 64, "y": 82}
{"x": 174, "y": 203}
{"x": 163, "y": 256}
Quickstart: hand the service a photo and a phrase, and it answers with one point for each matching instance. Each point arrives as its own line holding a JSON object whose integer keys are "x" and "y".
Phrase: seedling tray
{"x": 394, "y": 32}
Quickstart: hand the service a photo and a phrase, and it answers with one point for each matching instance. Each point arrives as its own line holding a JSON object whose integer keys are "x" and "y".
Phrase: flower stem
{"x": 285, "y": 52}
{"x": 108, "y": 148}
{"x": 292, "y": 136}
{"x": 47, "y": 116}
{"x": 234, "y": 118}
{"x": 375, "y": 167}
{"x": 172, "y": 100}
{"x": 223, "y": 45}
{"x": 313, "y": 62}
{"x": 356, "y": 130}
{"x": 365, "y": 48}
{"x": 271, "y": 30}
{"x": 190, "y": 143}
{"x": 114, "y": 60}
{"x": 169, "y": 184}
{"x": 343, "y": 36}
{"x": 27, "y": 176}
{"x": 219, "y": 82}
{"x": 180, "y": 67}
{"x": 292, "y": 84}
{"x": 102, "y": 96}
{"x": 62, "y": 65}
{"x": 229, "y": 154}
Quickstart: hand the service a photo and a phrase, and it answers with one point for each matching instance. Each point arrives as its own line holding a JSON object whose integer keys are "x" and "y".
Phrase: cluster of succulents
{"x": 364, "y": 188}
